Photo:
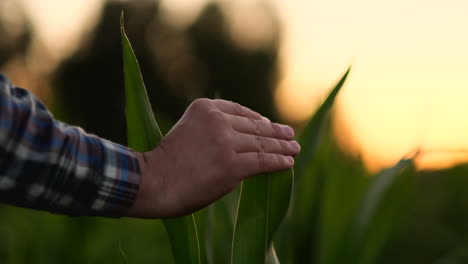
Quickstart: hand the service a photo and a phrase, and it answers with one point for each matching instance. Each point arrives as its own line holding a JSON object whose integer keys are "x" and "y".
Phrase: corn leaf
{"x": 263, "y": 203}
{"x": 214, "y": 225}
{"x": 302, "y": 226}
{"x": 219, "y": 228}
{"x": 144, "y": 135}
{"x": 344, "y": 183}
{"x": 310, "y": 136}
{"x": 272, "y": 257}
{"x": 379, "y": 190}
{"x": 378, "y": 214}
{"x": 201, "y": 219}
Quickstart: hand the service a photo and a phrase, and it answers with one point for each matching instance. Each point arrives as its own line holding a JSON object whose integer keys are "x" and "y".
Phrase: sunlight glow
{"x": 182, "y": 12}
{"x": 409, "y": 85}
{"x": 60, "y": 24}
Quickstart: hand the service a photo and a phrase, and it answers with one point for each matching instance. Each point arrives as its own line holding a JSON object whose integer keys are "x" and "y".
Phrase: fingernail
{"x": 266, "y": 119}
{"x": 290, "y": 160}
{"x": 288, "y": 131}
{"x": 295, "y": 146}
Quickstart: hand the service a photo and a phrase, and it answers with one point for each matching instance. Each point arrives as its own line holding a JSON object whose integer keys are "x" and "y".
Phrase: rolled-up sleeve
{"x": 48, "y": 165}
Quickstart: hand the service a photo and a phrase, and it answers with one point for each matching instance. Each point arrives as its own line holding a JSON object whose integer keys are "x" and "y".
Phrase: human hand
{"x": 212, "y": 148}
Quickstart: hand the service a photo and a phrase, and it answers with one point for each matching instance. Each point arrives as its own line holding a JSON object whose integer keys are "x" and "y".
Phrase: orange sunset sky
{"x": 409, "y": 85}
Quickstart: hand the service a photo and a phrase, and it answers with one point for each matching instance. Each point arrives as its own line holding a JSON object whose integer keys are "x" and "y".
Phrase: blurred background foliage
{"x": 182, "y": 64}
{"x": 178, "y": 66}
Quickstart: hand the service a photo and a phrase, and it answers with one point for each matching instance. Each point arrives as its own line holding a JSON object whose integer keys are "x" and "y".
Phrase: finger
{"x": 237, "y": 109}
{"x": 251, "y": 143}
{"x": 252, "y": 163}
{"x": 261, "y": 128}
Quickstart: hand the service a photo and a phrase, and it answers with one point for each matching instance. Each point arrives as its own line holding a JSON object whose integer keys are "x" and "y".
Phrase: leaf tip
{"x": 122, "y": 28}
{"x": 345, "y": 76}
{"x": 122, "y": 20}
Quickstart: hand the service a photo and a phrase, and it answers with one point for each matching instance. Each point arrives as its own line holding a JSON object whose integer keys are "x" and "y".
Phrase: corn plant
{"x": 338, "y": 210}
{"x": 241, "y": 228}
{"x": 143, "y": 135}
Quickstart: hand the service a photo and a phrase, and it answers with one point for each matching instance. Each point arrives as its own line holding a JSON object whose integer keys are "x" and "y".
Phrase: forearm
{"x": 48, "y": 165}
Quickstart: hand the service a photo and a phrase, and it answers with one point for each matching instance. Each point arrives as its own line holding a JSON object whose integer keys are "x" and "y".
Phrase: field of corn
{"x": 328, "y": 210}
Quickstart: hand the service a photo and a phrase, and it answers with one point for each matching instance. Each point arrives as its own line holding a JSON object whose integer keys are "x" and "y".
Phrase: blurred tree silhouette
{"x": 89, "y": 85}
{"x": 15, "y": 31}
{"x": 245, "y": 76}
{"x": 178, "y": 66}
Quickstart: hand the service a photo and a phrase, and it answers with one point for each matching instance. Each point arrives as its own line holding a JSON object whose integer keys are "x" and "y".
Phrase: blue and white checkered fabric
{"x": 48, "y": 165}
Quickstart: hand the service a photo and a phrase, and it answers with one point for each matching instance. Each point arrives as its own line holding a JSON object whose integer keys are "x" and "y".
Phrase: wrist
{"x": 144, "y": 200}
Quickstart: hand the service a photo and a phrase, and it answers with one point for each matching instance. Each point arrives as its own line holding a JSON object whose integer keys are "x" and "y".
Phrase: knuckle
{"x": 283, "y": 145}
{"x": 278, "y": 160}
{"x": 260, "y": 143}
{"x": 216, "y": 117}
{"x": 276, "y": 128}
{"x": 217, "y": 101}
{"x": 256, "y": 126}
{"x": 200, "y": 104}
{"x": 239, "y": 108}
{"x": 222, "y": 139}
{"x": 281, "y": 160}
{"x": 261, "y": 159}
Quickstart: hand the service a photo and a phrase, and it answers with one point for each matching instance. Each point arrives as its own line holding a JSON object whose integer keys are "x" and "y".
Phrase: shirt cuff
{"x": 121, "y": 180}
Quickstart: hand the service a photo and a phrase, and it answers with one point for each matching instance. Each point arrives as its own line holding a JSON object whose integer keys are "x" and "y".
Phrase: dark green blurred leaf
{"x": 377, "y": 193}
{"x": 344, "y": 181}
{"x": 272, "y": 257}
{"x": 144, "y": 135}
{"x": 455, "y": 256}
{"x": 303, "y": 225}
{"x": 378, "y": 214}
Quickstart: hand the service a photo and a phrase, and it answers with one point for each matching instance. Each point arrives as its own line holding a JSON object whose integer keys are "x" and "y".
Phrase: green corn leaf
{"x": 219, "y": 228}
{"x": 201, "y": 218}
{"x": 377, "y": 192}
{"x": 344, "y": 181}
{"x": 378, "y": 214}
{"x": 263, "y": 203}
{"x": 325, "y": 201}
{"x": 310, "y": 136}
{"x": 272, "y": 257}
{"x": 307, "y": 198}
{"x": 143, "y": 132}
{"x": 183, "y": 235}
{"x": 144, "y": 135}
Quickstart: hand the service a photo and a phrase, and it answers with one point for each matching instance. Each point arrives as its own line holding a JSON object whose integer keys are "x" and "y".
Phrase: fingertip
{"x": 295, "y": 146}
{"x": 287, "y": 131}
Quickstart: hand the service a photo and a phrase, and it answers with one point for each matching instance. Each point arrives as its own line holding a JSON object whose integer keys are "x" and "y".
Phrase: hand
{"x": 214, "y": 146}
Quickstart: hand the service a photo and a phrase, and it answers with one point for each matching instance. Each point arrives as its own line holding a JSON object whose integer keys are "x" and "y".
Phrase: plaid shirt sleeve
{"x": 48, "y": 165}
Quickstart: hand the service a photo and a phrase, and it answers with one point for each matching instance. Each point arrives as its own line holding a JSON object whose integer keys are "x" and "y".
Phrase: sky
{"x": 408, "y": 87}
